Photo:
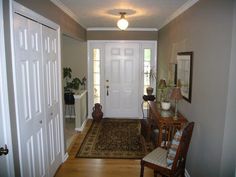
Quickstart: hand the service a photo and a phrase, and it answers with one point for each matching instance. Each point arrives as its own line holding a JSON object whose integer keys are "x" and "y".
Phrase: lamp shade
{"x": 162, "y": 84}
{"x": 122, "y": 22}
{"x": 176, "y": 94}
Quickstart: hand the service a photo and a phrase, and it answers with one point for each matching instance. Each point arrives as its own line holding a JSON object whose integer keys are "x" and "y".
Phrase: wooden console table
{"x": 166, "y": 125}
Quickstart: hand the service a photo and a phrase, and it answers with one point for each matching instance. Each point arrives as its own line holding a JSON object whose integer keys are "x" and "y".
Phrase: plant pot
{"x": 69, "y": 98}
{"x": 165, "y": 105}
{"x": 149, "y": 90}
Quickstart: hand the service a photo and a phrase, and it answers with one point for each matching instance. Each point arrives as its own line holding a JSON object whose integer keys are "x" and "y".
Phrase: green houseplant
{"x": 71, "y": 85}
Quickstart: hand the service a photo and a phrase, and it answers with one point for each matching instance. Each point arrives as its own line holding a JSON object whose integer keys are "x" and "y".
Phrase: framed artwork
{"x": 184, "y": 74}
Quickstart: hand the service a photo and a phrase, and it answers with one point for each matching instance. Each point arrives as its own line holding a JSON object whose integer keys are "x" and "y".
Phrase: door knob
{"x": 4, "y": 150}
{"x": 107, "y": 90}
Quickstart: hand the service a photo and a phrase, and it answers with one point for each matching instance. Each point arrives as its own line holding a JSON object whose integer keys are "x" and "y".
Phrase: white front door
{"x": 122, "y": 79}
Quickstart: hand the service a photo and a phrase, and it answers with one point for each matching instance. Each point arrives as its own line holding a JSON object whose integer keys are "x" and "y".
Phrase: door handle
{"x": 4, "y": 150}
{"x": 107, "y": 90}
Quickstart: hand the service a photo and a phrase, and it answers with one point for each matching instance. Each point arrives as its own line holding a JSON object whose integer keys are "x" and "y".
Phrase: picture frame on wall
{"x": 184, "y": 74}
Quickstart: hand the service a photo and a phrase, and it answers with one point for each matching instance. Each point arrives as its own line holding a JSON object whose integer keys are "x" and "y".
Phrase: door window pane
{"x": 146, "y": 67}
{"x": 96, "y": 75}
{"x": 147, "y": 54}
{"x": 96, "y": 54}
{"x": 96, "y": 66}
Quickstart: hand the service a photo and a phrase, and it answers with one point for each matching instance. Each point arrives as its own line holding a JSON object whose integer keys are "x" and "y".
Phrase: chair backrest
{"x": 182, "y": 150}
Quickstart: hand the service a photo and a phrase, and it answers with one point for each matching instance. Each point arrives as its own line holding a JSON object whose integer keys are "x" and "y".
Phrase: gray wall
{"x": 47, "y": 9}
{"x": 205, "y": 29}
{"x": 74, "y": 55}
{"x": 122, "y": 35}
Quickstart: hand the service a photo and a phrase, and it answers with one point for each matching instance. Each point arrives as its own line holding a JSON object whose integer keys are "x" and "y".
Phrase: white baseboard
{"x": 82, "y": 127}
{"x": 65, "y": 157}
{"x": 186, "y": 173}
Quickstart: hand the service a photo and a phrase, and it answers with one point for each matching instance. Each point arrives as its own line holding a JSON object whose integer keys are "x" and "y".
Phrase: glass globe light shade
{"x": 122, "y": 24}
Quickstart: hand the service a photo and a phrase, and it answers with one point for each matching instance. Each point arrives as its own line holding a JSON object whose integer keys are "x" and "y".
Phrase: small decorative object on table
{"x": 165, "y": 105}
{"x": 97, "y": 112}
{"x": 176, "y": 95}
{"x": 149, "y": 90}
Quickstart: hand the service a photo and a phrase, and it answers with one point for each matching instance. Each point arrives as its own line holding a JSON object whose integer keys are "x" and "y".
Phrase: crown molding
{"x": 179, "y": 11}
{"x": 68, "y": 11}
{"x": 116, "y": 29}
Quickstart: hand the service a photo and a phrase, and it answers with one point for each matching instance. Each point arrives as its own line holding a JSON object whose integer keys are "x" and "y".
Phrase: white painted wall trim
{"x": 179, "y": 11}
{"x": 20, "y": 9}
{"x": 82, "y": 127}
{"x": 68, "y": 11}
{"x": 65, "y": 157}
{"x": 117, "y": 29}
{"x": 4, "y": 102}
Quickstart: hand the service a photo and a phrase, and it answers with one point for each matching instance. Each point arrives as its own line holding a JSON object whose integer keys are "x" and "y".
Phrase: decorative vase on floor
{"x": 97, "y": 112}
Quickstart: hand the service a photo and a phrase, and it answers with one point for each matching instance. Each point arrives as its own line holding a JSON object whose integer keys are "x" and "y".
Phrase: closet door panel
{"x": 29, "y": 96}
{"x": 50, "y": 57}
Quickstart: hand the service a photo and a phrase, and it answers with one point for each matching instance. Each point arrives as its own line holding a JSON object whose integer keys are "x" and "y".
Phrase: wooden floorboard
{"x": 79, "y": 167}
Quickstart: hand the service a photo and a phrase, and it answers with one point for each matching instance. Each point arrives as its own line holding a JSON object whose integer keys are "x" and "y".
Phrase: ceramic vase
{"x": 97, "y": 112}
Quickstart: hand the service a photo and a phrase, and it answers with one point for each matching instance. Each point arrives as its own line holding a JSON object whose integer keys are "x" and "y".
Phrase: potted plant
{"x": 71, "y": 85}
{"x": 164, "y": 94}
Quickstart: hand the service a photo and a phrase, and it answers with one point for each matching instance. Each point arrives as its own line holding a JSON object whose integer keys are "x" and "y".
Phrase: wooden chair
{"x": 157, "y": 159}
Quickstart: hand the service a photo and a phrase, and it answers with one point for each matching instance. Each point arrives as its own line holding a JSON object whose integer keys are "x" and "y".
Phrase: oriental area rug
{"x": 114, "y": 138}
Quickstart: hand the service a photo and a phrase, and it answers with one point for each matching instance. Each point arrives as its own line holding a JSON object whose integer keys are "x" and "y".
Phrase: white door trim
{"x": 4, "y": 103}
{"x": 101, "y": 45}
{"x": 18, "y": 8}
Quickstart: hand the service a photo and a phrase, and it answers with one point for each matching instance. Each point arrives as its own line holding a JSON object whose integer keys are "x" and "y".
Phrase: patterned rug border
{"x": 90, "y": 129}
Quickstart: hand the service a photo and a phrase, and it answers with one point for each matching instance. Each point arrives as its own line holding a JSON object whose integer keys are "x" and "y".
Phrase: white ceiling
{"x": 140, "y": 13}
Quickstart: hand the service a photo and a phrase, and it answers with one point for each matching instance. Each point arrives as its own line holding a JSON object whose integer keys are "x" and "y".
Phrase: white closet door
{"x": 51, "y": 77}
{"x": 29, "y": 96}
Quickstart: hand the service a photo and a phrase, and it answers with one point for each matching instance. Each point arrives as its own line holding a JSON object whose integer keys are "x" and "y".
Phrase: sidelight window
{"x": 96, "y": 75}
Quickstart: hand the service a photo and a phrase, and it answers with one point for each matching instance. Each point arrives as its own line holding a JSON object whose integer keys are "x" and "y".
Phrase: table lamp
{"x": 161, "y": 86}
{"x": 176, "y": 95}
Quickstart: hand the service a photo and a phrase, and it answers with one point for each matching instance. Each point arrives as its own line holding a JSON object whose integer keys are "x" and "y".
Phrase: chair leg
{"x": 142, "y": 169}
{"x": 183, "y": 173}
{"x": 155, "y": 173}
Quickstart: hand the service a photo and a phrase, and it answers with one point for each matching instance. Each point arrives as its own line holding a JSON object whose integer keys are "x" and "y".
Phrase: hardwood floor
{"x": 78, "y": 167}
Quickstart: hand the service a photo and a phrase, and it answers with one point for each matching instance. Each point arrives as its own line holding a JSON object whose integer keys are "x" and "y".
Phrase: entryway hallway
{"x": 82, "y": 167}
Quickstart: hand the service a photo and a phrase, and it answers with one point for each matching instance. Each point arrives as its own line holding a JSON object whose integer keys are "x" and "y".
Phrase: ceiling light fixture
{"x": 122, "y": 22}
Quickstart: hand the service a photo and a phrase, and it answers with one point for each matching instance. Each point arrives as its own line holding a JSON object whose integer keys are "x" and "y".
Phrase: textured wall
{"x": 121, "y": 35}
{"x": 47, "y": 9}
{"x": 205, "y": 29}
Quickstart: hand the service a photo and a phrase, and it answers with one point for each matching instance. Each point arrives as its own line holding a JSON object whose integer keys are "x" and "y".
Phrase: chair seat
{"x": 157, "y": 157}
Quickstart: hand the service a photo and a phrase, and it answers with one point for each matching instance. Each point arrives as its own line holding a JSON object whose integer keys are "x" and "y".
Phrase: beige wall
{"x": 205, "y": 29}
{"x": 47, "y": 9}
{"x": 122, "y": 35}
{"x": 74, "y": 55}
